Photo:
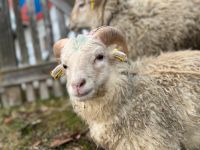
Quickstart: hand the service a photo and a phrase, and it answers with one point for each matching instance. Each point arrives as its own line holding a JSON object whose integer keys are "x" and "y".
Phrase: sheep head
{"x": 88, "y": 61}
{"x": 86, "y": 14}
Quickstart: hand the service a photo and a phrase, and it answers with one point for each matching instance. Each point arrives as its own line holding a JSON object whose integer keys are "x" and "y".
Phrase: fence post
{"x": 48, "y": 26}
{"x": 34, "y": 32}
{"x": 64, "y": 5}
{"x": 7, "y": 49}
{"x": 20, "y": 33}
{"x": 11, "y": 95}
{"x": 62, "y": 23}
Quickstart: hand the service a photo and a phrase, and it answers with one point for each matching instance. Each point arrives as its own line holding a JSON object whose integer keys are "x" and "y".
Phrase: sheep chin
{"x": 90, "y": 95}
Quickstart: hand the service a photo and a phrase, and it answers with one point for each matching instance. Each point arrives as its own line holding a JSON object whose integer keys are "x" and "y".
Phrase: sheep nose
{"x": 78, "y": 85}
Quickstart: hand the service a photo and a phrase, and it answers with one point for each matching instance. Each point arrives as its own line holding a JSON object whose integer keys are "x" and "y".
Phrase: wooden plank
{"x": 20, "y": 33}
{"x": 43, "y": 90}
{"x": 50, "y": 82}
{"x": 8, "y": 55}
{"x": 30, "y": 93}
{"x": 62, "y": 24}
{"x": 48, "y": 27}
{"x": 70, "y": 2}
{"x": 5, "y": 102}
{"x": 1, "y": 105}
{"x": 1, "y": 94}
{"x": 63, "y": 80}
{"x": 26, "y": 74}
{"x": 63, "y": 5}
{"x": 34, "y": 32}
{"x": 36, "y": 86}
{"x": 50, "y": 86}
{"x": 11, "y": 96}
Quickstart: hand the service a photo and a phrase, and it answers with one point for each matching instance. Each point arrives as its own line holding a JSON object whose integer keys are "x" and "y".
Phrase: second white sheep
{"x": 150, "y": 26}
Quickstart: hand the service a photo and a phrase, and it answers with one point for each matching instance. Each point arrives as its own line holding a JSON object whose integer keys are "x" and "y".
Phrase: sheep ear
{"x": 57, "y": 47}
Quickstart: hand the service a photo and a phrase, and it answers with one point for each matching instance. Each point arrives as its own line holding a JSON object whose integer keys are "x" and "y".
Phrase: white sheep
{"x": 149, "y": 104}
{"x": 150, "y": 26}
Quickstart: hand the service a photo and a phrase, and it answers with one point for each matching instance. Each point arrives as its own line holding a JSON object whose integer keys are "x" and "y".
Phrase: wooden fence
{"x": 21, "y": 81}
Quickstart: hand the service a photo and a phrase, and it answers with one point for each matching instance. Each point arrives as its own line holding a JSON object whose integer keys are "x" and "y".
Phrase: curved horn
{"x": 58, "y": 46}
{"x": 110, "y": 35}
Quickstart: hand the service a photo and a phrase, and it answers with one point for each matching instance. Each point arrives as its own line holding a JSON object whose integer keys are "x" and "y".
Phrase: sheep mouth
{"x": 85, "y": 95}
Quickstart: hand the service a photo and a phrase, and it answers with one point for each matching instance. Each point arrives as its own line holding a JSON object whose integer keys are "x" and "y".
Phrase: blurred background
{"x": 34, "y": 110}
{"x": 29, "y": 29}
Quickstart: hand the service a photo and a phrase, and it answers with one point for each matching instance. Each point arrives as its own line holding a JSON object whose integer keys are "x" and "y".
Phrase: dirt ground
{"x": 43, "y": 125}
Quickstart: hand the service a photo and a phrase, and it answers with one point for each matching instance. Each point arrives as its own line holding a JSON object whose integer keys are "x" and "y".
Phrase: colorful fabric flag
{"x": 24, "y": 10}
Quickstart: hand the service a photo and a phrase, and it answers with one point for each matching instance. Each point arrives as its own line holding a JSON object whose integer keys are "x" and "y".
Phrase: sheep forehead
{"x": 79, "y": 41}
{"x": 74, "y": 45}
{"x": 82, "y": 45}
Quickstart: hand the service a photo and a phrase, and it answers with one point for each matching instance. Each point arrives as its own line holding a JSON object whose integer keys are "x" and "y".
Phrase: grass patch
{"x": 37, "y": 125}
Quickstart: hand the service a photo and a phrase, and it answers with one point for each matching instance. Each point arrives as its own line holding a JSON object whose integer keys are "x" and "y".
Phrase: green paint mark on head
{"x": 79, "y": 41}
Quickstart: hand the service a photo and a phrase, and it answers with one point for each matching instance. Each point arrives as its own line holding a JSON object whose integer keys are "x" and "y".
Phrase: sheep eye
{"x": 65, "y": 66}
{"x": 81, "y": 5}
{"x": 100, "y": 57}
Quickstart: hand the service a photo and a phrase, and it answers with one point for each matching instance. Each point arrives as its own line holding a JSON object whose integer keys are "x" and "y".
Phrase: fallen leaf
{"x": 59, "y": 142}
{"x": 37, "y": 143}
{"x": 8, "y": 120}
{"x": 44, "y": 108}
{"x": 78, "y": 136}
{"x": 29, "y": 127}
{"x": 68, "y": 138}
{"x": 36, "y": 122}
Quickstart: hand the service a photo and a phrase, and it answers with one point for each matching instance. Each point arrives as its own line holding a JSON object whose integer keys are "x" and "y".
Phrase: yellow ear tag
{"x": 119, "y": 55}
{"x": 92, "y": 2}
{"x": 57, "y": 72}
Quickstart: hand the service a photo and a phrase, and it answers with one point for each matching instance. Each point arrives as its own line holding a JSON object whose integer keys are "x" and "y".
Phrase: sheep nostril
{"x": 82, "y": 83}
{"x": 79, "y": 85}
